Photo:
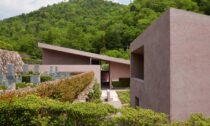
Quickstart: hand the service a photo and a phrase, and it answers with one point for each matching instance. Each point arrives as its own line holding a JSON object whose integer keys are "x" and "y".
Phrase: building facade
{"x": 170, "y": 65}
{"x": 55, "y": 55}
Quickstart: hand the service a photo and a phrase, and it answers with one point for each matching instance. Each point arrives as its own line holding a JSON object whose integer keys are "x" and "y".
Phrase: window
{"x": 137, "y": 63}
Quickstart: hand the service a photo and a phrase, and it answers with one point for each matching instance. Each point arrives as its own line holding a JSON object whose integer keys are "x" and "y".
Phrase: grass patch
{"x": 124, "y": 96}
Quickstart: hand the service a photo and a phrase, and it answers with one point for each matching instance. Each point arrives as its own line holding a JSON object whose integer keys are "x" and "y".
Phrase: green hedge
{"x": 123, "y": 82}
{"x": 24, "y": 85}
{"x": 32, "y": 110}
{"x": 124, "y": 96}
{"x": 31, "y": 61}
{"x": 6, "y": 45}
{"x": 95, "y": 94}
{"x": 46, "y": 78}
{"x": 141, "y": 117}
{"x": 3, "y": 87}
{"x": 26, "y": 78}
{"x": 65, "y": 89}
{"x": 35, "y": 111}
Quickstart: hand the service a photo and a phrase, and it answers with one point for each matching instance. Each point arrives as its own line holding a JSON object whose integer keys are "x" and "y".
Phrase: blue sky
{"x": 9, "y": 8}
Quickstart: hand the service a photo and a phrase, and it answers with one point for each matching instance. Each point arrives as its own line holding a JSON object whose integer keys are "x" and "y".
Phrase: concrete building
{"x": 170, "y": 65}
{"x": 55, "y": 55}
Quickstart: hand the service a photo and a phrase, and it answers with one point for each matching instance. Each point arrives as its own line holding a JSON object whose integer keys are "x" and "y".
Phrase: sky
{"x": 10, "y": 8}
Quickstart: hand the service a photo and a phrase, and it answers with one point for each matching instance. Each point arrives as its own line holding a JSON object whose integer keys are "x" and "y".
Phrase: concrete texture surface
{"x": 176, "y": 65}
{"x": 55, "y": 55}
{"x": 72, "y": 68}
{"x": 113, "y": 95}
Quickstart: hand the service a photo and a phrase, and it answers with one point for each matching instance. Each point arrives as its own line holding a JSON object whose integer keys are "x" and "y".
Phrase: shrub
{"x": 3, "y": 87}
{"x": 65, "y": 89}
{"x": 26, "y": 78}
{"x": 34, "y": 111}
{"x": 32, "y": 61}
{"x": 123, "y": 82}
{"x": 95, "y": 94}
{"x": 90, "y": 114}
{"x": 30, "y": 111}
{"x": 124, "y": 96}
{"x": 6, "y": 45}
{"x": 195, "y": 120}
{"x": 46, "y": 78}
{"x": 24, "y": 85}
{"x": 141, "y": 117}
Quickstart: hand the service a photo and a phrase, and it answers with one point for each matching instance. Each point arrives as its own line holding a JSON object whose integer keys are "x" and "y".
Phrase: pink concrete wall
{"x": 154, "y": 90}
{"x": 190, "y": 64}
{"x": 119, "y": 71}
{"x": 50, "y": 57}
{"x": 176, "y": 65}
{"x": 72, "y": 68}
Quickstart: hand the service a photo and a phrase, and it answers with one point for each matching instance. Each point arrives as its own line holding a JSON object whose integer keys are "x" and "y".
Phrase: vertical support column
{"x": 110, "y": 76}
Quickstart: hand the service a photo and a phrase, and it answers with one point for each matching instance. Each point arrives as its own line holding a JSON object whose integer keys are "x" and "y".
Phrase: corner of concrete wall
{"x": 155, "y": 88}
{"x": 189, "y": 64}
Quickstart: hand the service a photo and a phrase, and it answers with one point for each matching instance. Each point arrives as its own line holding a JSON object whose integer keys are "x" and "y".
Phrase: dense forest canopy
{"x": 97, "y": 26}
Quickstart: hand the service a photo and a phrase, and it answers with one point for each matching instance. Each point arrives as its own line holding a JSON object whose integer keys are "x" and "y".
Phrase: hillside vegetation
{"x": 91, "y": 25}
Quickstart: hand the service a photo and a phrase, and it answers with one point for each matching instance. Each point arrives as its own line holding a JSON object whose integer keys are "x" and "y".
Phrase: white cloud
{"x": 9, "y": 8}
{"x": 122, "y": 1}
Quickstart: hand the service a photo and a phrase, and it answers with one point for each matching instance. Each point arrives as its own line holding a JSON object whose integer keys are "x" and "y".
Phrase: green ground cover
{"x": 124, "y": 96}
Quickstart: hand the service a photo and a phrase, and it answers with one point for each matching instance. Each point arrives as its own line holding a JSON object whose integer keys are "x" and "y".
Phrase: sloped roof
{"x": 83, "y": 53}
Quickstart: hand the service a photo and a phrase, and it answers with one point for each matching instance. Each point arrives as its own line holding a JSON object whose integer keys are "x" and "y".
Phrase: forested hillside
{"x": 90, "y": 25}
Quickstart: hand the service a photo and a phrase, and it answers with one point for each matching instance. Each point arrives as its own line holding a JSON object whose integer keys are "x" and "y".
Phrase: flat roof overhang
{"x": 83, "y": 53}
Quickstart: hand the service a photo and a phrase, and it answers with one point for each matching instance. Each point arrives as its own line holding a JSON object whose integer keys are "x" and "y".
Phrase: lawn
{"x": 124, "y": 96}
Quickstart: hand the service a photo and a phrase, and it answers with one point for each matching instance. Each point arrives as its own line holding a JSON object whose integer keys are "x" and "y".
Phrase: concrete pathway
{"x": 115, "y": 101}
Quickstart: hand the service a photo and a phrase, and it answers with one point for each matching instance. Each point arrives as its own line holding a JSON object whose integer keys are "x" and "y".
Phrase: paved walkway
{"x": 115, "y": 101}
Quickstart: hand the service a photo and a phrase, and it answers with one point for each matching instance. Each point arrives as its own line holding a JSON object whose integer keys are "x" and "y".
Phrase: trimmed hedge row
{"x": 141, "y": 117}
{"x": 65, "y": 89}
{"x": 36, "y": 111}
{"x": 24, "y": 85}
{"x": 123, "y": 82}
{"x": 26, "y": 78}
{"x": 32, "y": 110}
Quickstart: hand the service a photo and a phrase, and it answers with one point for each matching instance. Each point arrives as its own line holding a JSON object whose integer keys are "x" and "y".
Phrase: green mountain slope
{"x": 90, "y": 25}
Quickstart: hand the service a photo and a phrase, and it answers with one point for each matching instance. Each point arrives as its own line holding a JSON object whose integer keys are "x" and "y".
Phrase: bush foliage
{"x": 24, "y": 85}
{"x": 95, "y": 94}
{"x": 26, "y": 78}
{"x": 124, "y": 96}
{"x": 119, "y": 84}
{"x": 65, "y": 89}
{"x": 6, "y": 45}
{"x": 46, "y": 78}
{"x": 33, "y": 110}
{"x": 141, "y": 117}
{"x": 2, "y": 87}
{"x": 36, "y": 111}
